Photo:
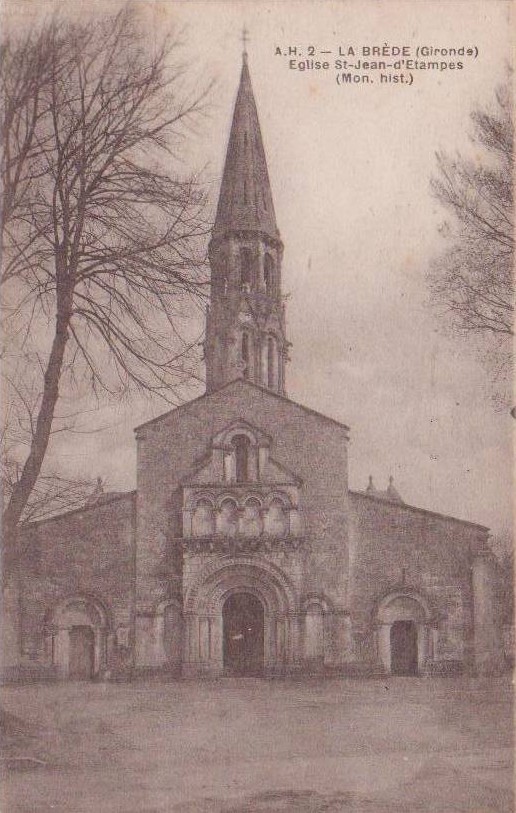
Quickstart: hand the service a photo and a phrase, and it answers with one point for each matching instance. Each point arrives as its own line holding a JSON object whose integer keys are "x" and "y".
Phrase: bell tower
{"x": 245, "y": 330}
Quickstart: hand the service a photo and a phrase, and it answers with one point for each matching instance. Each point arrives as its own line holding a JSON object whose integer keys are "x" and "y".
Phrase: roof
{"x": 403, "y": 505}
{"x": 245, "y": 383}
{"x": 108, "y": 498}
{"x": 245, "y": 200}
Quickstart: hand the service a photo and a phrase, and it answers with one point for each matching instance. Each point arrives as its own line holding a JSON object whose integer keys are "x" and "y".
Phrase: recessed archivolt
{"x": 76, "y": 608}
{"x": 406, "y": 604}
{"x": 317, "y": 602}
{"x": 220, "y": 579}
{"x": 205, "y": 497}
{"x": 225, "y": 437}
{"x": 166, "y": 603}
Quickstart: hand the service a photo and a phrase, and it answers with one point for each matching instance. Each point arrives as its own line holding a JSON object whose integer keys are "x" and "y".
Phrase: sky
{"x": 350, "y": 170}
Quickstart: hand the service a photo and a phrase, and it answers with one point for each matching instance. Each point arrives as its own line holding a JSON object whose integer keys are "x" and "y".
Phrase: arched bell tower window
{"x": 245, "y": 353}
{"x": 268, "y": 275}
{"x": 246, "y": 268}
{"x": 271, "y": 362}
{"x": 241, "y": 445}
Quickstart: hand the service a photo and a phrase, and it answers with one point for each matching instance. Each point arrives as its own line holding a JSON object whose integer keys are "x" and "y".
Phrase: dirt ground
{"x": 398, "y": 745}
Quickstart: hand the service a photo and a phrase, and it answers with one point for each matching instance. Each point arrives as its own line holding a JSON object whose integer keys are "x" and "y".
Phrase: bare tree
{"x": 54, "y": 491}
{"x": 25, "y": 73}
{"x": 103, "y": 248}
{"x": 472, "y": 281}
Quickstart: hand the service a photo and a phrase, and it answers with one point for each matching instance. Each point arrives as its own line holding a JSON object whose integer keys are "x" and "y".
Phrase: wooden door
{"x": 243, "y": 621}
{"x": 404, "y": 648}
{"x": 81, "y": 653}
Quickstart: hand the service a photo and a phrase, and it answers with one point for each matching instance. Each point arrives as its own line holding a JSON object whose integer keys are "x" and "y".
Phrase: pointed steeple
{"x": 245, "y": 323}
{"x": 245, "y": 201}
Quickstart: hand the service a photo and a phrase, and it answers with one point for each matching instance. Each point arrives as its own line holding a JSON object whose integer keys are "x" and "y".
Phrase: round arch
{"x": 169, "y": 633}
{"x": 280, "y": 496}
{"x": 230, "y": 434}
{"x": 317, "y": 601}
{"x": 404, "y": 620}
{"x": 81, "y": 603}
{"x": 77, "y": 635}
{"x": 207, "y": 596}
{"x": 240, "y": 572}
{"x": 315, "y": 608}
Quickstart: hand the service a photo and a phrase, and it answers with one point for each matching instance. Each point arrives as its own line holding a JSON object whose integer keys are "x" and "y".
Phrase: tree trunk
{"x": 31, "y": 470}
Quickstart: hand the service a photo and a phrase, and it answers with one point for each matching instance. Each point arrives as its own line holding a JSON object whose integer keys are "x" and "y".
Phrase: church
{"x": 243, "y": 551}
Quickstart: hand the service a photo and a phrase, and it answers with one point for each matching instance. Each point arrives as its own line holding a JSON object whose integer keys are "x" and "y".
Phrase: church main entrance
{"x": 82, "y": 652}
{"x": 404, "y": 648}
{"x": 243, "y": 624}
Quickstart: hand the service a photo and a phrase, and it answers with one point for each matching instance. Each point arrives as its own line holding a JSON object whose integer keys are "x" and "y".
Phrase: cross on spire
{"x": 245, "y": 40}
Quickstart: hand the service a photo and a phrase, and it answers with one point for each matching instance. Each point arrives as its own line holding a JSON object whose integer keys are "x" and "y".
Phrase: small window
{"x": 268, "y": 275}
{"x": 271, "y": 362}
{"x": 245, "y": 354}
{"x": 241, "y": 445}
{"x": 246, "y": 268}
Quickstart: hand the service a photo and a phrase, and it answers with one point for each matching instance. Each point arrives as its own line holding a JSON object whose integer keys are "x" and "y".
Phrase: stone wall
{"x": 171, "y": 448}
{"x": 88, "y": 556}
{"x": 402, "y": 550}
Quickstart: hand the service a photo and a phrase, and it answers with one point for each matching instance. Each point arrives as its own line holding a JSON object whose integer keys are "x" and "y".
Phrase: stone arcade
{"x": 243, "y": 550}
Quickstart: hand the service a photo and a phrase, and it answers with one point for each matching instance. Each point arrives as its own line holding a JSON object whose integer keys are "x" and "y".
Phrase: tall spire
{"x": 245, "y": 324}
{"x": 245, "y": 202}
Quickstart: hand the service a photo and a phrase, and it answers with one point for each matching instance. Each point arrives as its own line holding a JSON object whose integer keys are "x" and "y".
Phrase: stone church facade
{"x": 243, "y": 549}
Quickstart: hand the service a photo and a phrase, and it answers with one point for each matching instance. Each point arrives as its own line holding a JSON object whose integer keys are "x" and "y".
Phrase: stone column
{"x": 294, "y": 623}
{"x": 342, "y": 637}
{"x": 159, "y": 637}
{"x": 190, "y": 646}
{"x": 216, "y": 645}
{"x": 62, "y": 652}
{"x": 423, "y": 638}
{"x": 383, "y": 637}
{"x": 313, "y": 639}
{"x": 264, "y": 360}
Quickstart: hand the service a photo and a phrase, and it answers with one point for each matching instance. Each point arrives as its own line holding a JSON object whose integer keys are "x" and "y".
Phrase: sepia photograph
{"x": 257, "y": 291}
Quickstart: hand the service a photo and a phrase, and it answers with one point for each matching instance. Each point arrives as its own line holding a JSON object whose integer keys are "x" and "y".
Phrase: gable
{"x": 303, "y": 446}
{"x": 215, "y": 466}
{"x": 255, "y": 393}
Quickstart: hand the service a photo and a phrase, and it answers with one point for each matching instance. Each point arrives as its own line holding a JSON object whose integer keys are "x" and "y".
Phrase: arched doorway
{"x": 243, "y": 627}
{"x": 213, "y": 615}
{"x": 404, "y": 620}
{"x": 81, "y": 642}
{"x": 404, "y": 651}
{"x": 77, "y": 631}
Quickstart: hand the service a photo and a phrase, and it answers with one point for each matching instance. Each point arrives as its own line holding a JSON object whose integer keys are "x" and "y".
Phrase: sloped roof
{"x": 243, "y": 382}
{"x": 403, "y": 506}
